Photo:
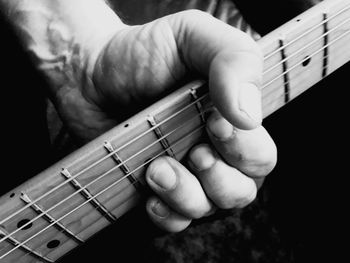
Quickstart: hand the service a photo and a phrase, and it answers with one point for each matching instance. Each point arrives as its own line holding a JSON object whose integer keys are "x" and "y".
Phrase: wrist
{"x": 64, "y": 37}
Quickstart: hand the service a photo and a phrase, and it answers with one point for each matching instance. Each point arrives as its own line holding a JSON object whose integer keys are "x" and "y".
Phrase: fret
{"x": 285, "y": 71}
{"x": 325, "y": 45}
{"x": 163, "y": 140}
{"x": 122, "y": 165}
{"x": 198, "y": 103}
{"x": 87, "y": 195}
{"x": 40, "y": 211}
{"x": 23, "y": 247}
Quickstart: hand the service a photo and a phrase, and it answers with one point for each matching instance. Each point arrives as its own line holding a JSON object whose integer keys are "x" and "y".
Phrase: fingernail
{"x": 164, "y": 176}
{"x": 159, "y": 209}
{"x": 250, "y": 102}
{"x": 202, "y": 158}
{"x": 220, "y": 128}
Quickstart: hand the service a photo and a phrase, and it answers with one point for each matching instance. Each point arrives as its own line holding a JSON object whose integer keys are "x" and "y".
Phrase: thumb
{"x": 229, "y": 58}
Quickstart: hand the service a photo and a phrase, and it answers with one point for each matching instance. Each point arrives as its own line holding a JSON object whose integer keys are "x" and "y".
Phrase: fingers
{"x": 230, "y": 58}
{"x": 174, "y": 184}
{"x": 227, "y": 177}
{"x": 182, "y": 197}
{"x": 225, "y": 185}
{"x": 253, "y": 152}
{"x": 180, "y": 190}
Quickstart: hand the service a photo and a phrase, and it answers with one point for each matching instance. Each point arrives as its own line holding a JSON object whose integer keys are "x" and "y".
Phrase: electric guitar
{"x": 62, "y": 207}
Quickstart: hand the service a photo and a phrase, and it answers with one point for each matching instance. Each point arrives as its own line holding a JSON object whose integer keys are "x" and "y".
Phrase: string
{"x": 307, "y": 32}
{"x": 111, "y": 170}
{"x": 115, "y": 151}
{"x": 305, "y": 59}
{"x": 102, "y": 191}
{"x": 104, "y": 158}
{"x": 305, "y": 47}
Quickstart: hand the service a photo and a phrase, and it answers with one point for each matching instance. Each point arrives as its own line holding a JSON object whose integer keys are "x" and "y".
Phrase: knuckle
{"x": 193, "y": 206}
{"x": 239, "y": 197}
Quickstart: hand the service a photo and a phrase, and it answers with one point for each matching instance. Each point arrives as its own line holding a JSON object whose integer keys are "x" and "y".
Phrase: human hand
{"x": 140, "y": 63}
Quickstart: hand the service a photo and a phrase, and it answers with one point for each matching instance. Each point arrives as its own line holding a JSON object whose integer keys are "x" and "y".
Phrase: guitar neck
{"x": 60, "y": 208}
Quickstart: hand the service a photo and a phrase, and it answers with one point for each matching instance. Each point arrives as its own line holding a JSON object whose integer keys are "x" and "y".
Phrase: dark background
{"x": 297, "y": 216}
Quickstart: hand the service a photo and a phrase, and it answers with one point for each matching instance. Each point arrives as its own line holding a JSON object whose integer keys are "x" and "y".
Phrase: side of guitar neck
{"x": 60, "y": 208}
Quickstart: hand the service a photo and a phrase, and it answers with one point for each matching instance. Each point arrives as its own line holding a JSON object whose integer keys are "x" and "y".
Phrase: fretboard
{"x": 49, "y": 215}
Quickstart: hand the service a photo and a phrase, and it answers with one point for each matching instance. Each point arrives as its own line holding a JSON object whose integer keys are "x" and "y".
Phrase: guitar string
{"x": 111, "y": 170}
{"x": 300, "y": 62}
{"x": 105, "y": 157}
{"x": 118, "y": 149}
{"x": 101, "y": 192}
{"x": 89, "y": 199}
{"x": 305, "y": 47}
{"x": 308, "y": 31}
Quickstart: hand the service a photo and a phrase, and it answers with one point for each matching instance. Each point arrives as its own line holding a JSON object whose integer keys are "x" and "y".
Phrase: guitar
{"x": 63, "y": 206}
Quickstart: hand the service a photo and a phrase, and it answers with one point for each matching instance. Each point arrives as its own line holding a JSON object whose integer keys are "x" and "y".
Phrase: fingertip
{"x": 160, "y": 175}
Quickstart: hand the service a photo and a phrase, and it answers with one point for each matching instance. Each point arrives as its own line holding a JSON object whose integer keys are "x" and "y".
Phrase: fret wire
{"x": 325, "y": 42}
{"x": 102, "y": 159}
{"x": 285, "y": 74}
{"x": 86, "y": 194}
{"x": 322, "y": 37}
{"x": 26, "y": 249}
{"x": 4, "y": 220}
{"x": 159, "y": 134}
{"x": 51, "y": 219}
{"x": 106, "y": 173}
{"x": 198, "y": 104}
{"x": 308, "y": 31}
{"x": 101, "y": 192}
{"x": 124, "y": 168}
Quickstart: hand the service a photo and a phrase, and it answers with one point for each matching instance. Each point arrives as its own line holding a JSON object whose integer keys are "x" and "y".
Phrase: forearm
{"x": 62, "y": 35}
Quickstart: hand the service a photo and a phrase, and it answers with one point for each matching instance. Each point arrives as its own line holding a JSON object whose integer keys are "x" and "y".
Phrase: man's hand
{"x": 142, "y": 62}
{"x": 101, "y": 71}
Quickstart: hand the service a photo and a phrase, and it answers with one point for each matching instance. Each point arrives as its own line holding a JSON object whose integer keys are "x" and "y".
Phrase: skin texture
{"x": 95, "y": 73}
